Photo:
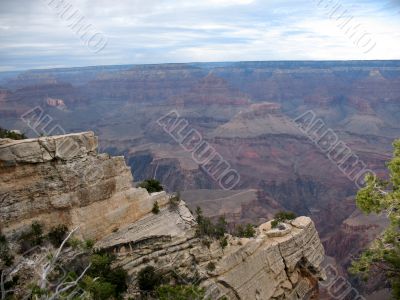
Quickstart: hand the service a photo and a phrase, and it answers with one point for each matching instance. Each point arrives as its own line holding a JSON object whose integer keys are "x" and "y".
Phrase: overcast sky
{"x": 33, "y": 35}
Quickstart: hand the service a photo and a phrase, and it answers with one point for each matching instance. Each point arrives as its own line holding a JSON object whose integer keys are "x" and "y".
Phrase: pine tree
{"x": 379, "y": 196}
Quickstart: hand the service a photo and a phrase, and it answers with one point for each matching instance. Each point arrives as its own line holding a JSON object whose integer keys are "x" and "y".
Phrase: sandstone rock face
{"x": 62, "y": 180}
{"x": 284, "y": 267}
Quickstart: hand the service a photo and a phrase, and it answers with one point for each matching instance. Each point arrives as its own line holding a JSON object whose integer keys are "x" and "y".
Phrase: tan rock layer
{"x": 62, "y": 180}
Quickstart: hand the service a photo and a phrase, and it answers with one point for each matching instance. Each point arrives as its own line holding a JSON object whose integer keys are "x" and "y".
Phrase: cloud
{"x": 160, "y": 31}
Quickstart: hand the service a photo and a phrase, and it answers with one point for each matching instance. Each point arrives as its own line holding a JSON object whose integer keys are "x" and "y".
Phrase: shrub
{"x": 156, "y": 208}
{"x": 89, "y": 244}
{"x": 211, "y": 266}
{"x": 74, "y": 243}
{"x": 99, "y": 289}
{"x": 175, "y": 200}
{"x": 282, "y": 216}
{"x": 101, "y": 265}
{"x": 247, "y": 232}
{"x": 274, "y": 224}
{"x": 250, "y": 231}
{"x": 285, "y": 216}
{"x": 57, "y": 235}
{"x": 205, "y": 228}
{"x": 148, "y": 279}
{"x": 8, "y": 134}
{"x": 151, "y": 185}
{"x": 110, "y": 283}
{"x": 220, "y": 228}
{"x": 5, "y": 254}
{"x": 180, "y": 292}
{"x": 117, "y": 277}
{"x": 223, "y": 242}
{"x": 31, "y": 238}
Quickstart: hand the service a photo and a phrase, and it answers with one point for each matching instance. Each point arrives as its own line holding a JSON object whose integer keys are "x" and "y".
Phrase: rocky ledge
{"x": 63, "y": 180}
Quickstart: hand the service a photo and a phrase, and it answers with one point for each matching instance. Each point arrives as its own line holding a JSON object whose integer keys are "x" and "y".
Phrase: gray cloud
{"x": 158, "y": 31}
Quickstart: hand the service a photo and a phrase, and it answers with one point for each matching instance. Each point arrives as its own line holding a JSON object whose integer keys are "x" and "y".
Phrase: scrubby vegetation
{"x": 5, "y": 255}
{"x": 172, "y": 285}
{"x": 31, "y": 238}
{"x": 64, "y": 262}
{"x": 103, "y": 281}
{"x": 8, "y": 134}
{"x": 211, "y": 266}
{"x": 57, "y": 235}
{"x": 148, "y": 279}
{"x": 207, "y": 229}
{"x": 247, "y": 231}
{"x": 151, "y": 185}
{"x": 379, "y": 196}
{"x": 282, "y": 217}
{"x": 156, "y": 208}
{"x": 175, "y": 200}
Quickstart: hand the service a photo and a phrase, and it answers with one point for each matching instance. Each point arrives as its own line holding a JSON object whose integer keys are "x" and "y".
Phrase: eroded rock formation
{"x": 63, "y": 179}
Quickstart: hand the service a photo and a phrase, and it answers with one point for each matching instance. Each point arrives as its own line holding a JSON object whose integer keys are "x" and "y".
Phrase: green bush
{"x": 151, "y": 185}
{"x": 148, "y": 279}
{"x": 246, "y": 232}
{"x": 31, "y": 238}
{"x": 156, "y": 208}
{"x": 99, "y": 289}
{"x": 74, "y": 243}
{"x": 89, "y": 244}
{"x": 285, "y": 216}
{"x": 7, "y": 134}
{"x": 180, "y": 292}
{"x": 274, "y": 224}
{"x": 205, "y": 228}
{"x": 282, "y": 216}
{"x": 220, "y": 228}
{"x": 57, "y": 235}
{"x": 5, "y": 254}
{"x": 110, "y": 283}
{"x": 223, "y": 242}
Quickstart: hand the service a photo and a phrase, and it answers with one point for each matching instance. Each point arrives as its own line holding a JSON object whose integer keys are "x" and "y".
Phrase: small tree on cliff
{"x": 383, "y": 196}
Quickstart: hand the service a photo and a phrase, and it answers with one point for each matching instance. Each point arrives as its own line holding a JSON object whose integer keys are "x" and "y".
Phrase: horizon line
{"x": 206, "y": 62}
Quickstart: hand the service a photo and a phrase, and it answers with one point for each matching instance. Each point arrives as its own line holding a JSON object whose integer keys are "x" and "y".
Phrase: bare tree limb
{"x": 68, "y": 285}
{"x": 48, "y": 267}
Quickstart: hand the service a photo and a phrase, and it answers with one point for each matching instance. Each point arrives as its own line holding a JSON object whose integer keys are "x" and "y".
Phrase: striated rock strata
{"x": 63, "y": 179}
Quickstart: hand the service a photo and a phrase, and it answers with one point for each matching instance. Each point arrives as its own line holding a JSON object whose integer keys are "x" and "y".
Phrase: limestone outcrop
{"x": 281, "y": 267}
{"x": 63, "y": 180}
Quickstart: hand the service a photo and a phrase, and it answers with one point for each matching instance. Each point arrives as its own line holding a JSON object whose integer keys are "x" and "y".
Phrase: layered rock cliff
{"x": 63, "y": 180}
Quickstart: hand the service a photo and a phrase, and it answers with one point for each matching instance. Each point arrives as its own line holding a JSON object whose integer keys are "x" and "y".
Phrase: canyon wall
{"x": 63, "y": 180}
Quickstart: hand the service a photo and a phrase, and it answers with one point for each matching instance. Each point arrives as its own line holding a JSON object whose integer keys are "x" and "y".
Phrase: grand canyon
{"x": 246, "y": 112}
